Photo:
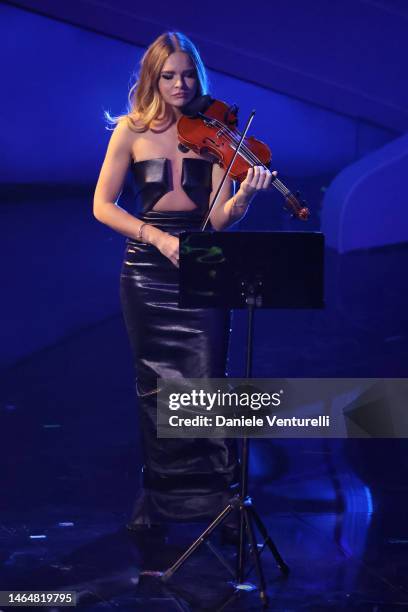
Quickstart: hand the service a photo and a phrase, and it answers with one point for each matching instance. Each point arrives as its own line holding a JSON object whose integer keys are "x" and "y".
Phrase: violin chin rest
{"x": 196, "y": 106}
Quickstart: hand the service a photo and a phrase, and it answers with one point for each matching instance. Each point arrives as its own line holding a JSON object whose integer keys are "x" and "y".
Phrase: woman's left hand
{"x": 257, "y": 179}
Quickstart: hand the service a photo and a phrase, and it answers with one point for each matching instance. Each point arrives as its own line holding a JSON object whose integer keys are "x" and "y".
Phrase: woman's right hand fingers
{"x": 175, "y": 258}
{"x": 169, "y": 247}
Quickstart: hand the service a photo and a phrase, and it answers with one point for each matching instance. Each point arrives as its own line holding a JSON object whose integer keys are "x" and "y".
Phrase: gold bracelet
{"x": 139, "y": 233}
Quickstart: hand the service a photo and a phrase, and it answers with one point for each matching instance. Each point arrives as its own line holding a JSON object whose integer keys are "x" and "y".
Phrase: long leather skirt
{"x": 182, "y": 479}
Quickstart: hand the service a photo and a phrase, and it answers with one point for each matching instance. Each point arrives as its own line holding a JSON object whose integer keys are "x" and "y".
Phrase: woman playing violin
{"x": 182, "y": 479}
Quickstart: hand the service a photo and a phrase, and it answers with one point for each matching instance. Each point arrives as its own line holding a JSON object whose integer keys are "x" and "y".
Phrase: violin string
{"x": 250, "y": 157}
{"x": 233, "y": 138}
{"x": 276, "y": 182}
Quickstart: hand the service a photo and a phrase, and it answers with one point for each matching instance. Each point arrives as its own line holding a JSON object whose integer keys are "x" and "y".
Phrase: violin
{"x": 209, "y": 127}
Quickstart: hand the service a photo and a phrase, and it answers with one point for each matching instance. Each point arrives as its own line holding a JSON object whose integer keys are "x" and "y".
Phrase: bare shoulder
{"x": 116, "y": 162}
{"x": 123, "y": 135}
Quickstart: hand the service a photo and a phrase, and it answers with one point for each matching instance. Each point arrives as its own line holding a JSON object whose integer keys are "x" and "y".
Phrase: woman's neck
{"x": 168, "y": 121}
{"x": 177, "y": 112}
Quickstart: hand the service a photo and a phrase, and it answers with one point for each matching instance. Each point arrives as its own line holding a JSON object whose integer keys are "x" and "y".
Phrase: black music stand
{"x": 248, "y": 270}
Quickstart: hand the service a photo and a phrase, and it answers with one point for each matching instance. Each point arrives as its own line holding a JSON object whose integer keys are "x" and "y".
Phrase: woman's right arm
{"x": 109, "y": 187}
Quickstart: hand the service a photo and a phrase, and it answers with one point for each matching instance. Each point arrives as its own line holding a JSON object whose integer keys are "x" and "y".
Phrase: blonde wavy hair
{"x": 145, "y": 104}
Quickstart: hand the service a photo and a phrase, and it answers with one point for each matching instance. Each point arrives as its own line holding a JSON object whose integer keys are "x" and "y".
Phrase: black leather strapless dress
{"x": 182, "y": 479}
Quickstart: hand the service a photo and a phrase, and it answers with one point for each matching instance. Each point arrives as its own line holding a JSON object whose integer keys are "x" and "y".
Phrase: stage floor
{"x": 336, "y": 509}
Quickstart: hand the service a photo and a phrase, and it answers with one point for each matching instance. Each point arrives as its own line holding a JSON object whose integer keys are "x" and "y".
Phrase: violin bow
{"x": 222, "y": 182}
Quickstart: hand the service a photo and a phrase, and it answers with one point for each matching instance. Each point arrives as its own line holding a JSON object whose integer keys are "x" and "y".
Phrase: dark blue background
{"x": 327, "y": 81}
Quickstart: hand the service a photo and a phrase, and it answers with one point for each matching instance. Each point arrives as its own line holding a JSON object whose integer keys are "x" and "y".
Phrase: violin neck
{"x": 281, "y": 187}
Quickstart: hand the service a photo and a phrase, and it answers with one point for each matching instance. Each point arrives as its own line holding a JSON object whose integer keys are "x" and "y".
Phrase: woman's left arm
{"x": 231, "y": 208}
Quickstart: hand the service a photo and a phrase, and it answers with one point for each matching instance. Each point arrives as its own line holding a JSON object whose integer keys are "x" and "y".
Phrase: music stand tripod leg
{"x": 268, "y": 540}
{"x": 241, "y": 545}
{"x": 198, "y": 542}
{"x": 255, "y": 553}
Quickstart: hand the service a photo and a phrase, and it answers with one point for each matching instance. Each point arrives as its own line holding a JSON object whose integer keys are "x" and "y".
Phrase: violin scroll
{"x": 297, "y": 206}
